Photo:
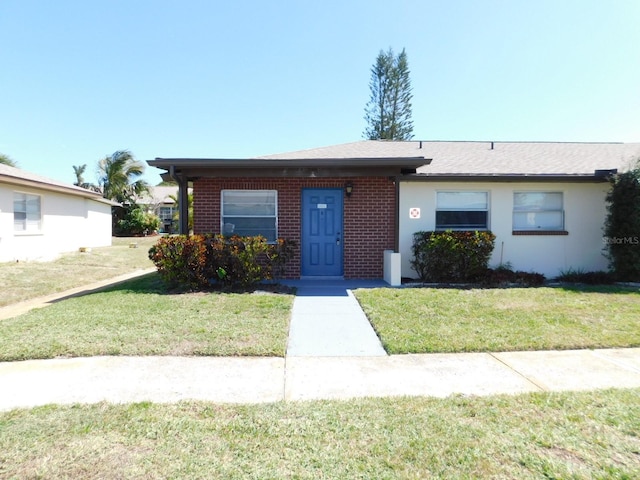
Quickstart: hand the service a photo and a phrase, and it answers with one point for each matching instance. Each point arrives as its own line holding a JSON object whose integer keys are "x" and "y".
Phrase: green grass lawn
{"x": 25, "y": 280}
{"x": 424, "y": 320}
{"x": 546, "y": 435}
{"x": 139, "y": 317}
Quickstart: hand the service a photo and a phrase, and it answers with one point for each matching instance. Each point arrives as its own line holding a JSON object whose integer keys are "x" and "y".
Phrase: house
{"x": 353, "y": 208}
{"x": 41, "y": 218}
{"x": 161, "y": 201}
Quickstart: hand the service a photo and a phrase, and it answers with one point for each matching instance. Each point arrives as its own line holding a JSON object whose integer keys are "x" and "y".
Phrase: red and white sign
{"x": 414, "y": 212}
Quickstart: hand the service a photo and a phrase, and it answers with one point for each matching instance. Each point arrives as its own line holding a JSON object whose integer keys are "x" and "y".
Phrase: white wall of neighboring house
{"x": 68, "y": 223}
{"x": 584, "y": 211}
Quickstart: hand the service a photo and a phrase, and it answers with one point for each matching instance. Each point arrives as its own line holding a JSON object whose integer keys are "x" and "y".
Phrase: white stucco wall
{"x": 585, "y": 212}
{"x": 68, "y": 223}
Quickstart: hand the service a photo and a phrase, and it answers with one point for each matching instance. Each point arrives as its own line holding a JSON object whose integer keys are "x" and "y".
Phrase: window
{"x": 167, "y": 222}
{"x": 538, "y": 211}
{"x": 462, "y": 210}
{"x": 26, "y": 213}
{"x": 166, "y": 214}
{"x": 249, "y": 213}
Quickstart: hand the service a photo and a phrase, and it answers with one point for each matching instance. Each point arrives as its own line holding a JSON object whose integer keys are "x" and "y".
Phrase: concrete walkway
{"x": 327, "y": 321}
{"x": 333, "y": 353}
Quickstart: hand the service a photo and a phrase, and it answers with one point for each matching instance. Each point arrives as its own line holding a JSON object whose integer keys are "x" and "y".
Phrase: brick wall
{"x": 369, "y": 215}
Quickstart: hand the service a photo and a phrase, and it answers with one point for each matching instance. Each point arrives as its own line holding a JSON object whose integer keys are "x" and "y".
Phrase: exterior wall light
{"x": 348, "y": 189}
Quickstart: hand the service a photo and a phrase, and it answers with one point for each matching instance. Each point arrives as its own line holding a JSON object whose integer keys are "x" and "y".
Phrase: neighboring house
{"x": 160, "y": 201}
{"x": 345, "y": 205}
{"x": 41, "y": 218}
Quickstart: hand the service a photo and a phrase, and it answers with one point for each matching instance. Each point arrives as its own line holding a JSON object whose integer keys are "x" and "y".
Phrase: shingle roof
{"x": 17, "y": 176}
{"x": 487, "y": 158}
{"x": 159, "y": 194}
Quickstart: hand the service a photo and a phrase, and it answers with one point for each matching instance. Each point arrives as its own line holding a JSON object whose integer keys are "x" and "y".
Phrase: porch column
{"x": 183, "y": 201}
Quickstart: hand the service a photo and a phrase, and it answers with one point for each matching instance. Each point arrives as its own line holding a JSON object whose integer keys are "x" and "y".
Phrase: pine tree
{"x": 388, "y": 112}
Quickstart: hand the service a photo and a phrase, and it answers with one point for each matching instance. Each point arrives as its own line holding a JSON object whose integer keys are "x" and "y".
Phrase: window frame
{"x": 163, "y": 208}
{"x": 486, "y": 193}
{"x": 250, "y": 190}
{"x": 25, "y": 223}
{"x": 520, "y": 230}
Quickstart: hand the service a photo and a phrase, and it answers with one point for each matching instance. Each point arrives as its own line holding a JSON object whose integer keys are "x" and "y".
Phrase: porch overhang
{"x": 185, "y": 170}
{"x": 194, "y": 168}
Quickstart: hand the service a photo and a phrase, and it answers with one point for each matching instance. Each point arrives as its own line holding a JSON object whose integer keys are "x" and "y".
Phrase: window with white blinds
{"x": 27, "y": 216}
{"x": 538, "y": 211}
{"x": 461, "y": 210}
{"x": 250, "y": 213}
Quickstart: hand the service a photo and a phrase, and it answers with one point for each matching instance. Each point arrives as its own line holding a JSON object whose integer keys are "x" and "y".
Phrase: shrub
{"x": 589, "y": 278}
{"x": 200, "y": 262}
{"x": 622, "y": 226}
{"x": 499, "y": 277}
{"x": 136, "y": 222}
{"x": 181, "y": 260}
{"x": 279, "y": 255}
{"x": 236, "y": 261}
{"x": 505, "y": 277}
{"x": 452, "y": 256}
{"x": 528, "y": 279}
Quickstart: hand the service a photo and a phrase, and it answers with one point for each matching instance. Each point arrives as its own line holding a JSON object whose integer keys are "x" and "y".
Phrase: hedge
{"x": 206, "y": 261}
{"x": 452, "y": 256}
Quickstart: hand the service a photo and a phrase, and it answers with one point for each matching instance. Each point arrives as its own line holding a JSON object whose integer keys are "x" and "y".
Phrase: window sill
{"x": 540, "y": 232}
{"x": 461, "y": 229}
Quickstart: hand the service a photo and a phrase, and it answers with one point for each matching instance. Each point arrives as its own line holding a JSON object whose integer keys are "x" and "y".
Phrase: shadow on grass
{"x": 147, "y": 283}
{"x": 152, "y": 283}
{"x": 570, "y": 287}
{"x": 583, "y": 288}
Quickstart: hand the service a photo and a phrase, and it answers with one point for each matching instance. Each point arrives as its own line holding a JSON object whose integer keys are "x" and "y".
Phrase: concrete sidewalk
{"x": 441, "y": 375}
{"x": 258, "y": 380}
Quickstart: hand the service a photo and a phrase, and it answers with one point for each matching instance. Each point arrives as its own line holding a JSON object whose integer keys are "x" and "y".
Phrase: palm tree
{"x": 79, "y": 171}
{"x": 176, "y": 202}
{"x": 120, "y": 176}
{"x": 6, "y": 160}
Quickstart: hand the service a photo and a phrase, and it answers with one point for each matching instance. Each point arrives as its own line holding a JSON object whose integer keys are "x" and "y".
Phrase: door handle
{"x": 338, "y": 239}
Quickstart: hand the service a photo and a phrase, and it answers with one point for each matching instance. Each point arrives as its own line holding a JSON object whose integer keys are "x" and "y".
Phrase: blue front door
{"x": 321, "y": 232}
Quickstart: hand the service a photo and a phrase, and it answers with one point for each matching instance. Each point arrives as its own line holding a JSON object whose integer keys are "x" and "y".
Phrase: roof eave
{"x": 506, "y": 177}
{"x": 306, "y": 167}
{"x": 77, "y": 191}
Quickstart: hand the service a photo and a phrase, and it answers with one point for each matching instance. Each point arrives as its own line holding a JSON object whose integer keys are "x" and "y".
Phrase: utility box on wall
{"x": 392, "y": 268}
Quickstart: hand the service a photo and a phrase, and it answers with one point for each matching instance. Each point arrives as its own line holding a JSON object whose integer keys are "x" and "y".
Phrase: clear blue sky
{"x": 81, "y": 79}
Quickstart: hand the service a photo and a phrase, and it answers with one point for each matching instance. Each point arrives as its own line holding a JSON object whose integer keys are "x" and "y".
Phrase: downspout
{"x": 396, "y": 240}
{"x": 183, "y": 201}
